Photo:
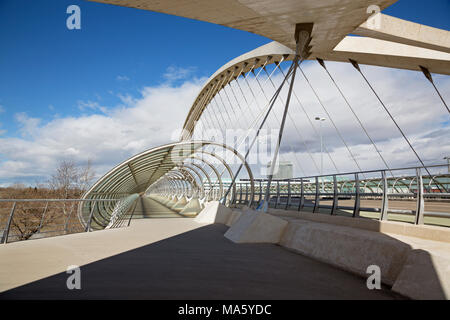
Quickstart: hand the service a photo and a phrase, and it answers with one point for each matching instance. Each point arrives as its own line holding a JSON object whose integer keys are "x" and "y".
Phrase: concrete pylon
{"x": 171, "y": 202}
{"x": 180, "y": 204}
{"x": 214, "y": 212}
{"x": 163, "y": 200}
{"x": 192, "y": 208}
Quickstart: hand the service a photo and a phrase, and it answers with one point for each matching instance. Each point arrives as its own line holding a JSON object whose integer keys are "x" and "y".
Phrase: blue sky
{"x": 48, "y": 72}
{"x": 59, "y": 67}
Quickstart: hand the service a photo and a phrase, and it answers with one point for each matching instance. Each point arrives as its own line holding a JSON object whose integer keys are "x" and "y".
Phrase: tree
{"x": 29, "y": 217}
{"x": 69, "y": 181}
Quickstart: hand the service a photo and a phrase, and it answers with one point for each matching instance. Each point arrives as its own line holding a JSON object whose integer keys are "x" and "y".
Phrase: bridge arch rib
{"x": 172, "y": 163}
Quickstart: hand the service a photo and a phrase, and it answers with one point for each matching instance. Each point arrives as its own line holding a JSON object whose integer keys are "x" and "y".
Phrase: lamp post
{"x": 320, "y": 119}
{"x": 448, "y": 163}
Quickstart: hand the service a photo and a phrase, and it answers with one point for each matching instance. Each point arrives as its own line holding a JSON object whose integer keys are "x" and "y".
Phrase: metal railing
{"x": 23, "y": 219}
{"x": 376, "y": 191}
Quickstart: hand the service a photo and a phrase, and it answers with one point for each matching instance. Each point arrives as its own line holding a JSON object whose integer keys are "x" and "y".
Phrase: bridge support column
{"x": 335, "y": 196}
{"x": 288, "y": 202}
{"x": 8, "y": 225}
{"x": 384, "y": 203}
{"x": 420, "y": 208}
{"x": 88, "y": 225}
{"x": 317, "y": 197}
{"x": 301, "y": 204}
{"x": 302, "y": 39}
{"x": 357, "y": 206}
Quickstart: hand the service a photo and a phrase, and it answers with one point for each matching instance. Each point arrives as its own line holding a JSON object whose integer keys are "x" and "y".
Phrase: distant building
{"x": 285, "y": 170}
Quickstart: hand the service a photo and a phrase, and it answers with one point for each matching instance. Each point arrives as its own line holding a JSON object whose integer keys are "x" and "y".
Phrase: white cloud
{"x": 122, "y": 78}
{"x": 407, "y": 94}
{"x": 91, "y": 105}
{"x": 174, "y": 73}
{"x": 28, "y": 126}
{"x": 150, "y": 119}
{"x": 144, "y": 122}
{"x": 2, "y": 109}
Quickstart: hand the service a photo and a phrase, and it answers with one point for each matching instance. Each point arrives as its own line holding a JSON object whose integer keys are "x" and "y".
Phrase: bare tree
{"x": 29, "y": 217}
{"x": 86, "y": 176}
{"x": 70, "y": 180}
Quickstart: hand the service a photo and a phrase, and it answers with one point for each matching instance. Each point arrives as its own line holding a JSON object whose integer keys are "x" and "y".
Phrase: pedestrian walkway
{"x": 149, "y": 208}
{"x": 171, "y": 258}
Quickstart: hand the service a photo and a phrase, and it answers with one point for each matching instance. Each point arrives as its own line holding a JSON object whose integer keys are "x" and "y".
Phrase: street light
{"x": 320, "y": 119}
{"x": 448, "y": 163}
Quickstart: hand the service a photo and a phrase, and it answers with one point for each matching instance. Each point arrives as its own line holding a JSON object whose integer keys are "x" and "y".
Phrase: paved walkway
{"x": 149, "y": 208}
{"x": 172, "y": 258}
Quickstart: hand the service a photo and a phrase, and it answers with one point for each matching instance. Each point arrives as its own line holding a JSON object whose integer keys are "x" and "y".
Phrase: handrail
{"x": 119, "y": 208}
{"x": 294, "y": 191}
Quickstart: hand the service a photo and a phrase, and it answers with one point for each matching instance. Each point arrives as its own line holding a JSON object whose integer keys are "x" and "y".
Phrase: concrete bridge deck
{"x": 170, "y": 258}
{"x": 149, "y": 208}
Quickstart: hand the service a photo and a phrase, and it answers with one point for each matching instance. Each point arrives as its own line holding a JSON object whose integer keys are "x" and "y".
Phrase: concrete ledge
{"x": 391, "y": 227}
{"x": 348, "y": 248}
{"x": 425, "y": 275}
{"x": 414, "y": 267}
{"x": 256, "y": 227}
{"x": 180, "y": 204}
{"x": 214, "y": 212}
{"x": 411, "y": 263}
{"x": 166, "y": 201}
{"x": 192, "y": 208}
{"x": 234, "y": 216}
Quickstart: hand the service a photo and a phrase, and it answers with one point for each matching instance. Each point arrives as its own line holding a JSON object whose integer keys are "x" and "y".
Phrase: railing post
{"x": 88, "y": 226}
{"x": 134, "y": 208}
{"x": 66, "y": 224}
{"x": 42, "y": 219}
{"x": 277, "y": 202}
{"x": 246, "y": 193}
{"x": 8, "y": 224}
{"x": 240, "y": 193}
{"x": 233, "y": 196}
{"x": 260, "y": 192}
{"x": 357, "y": 206}
{"x": 317, "y": 197}
{"x": 420, "y": 202}
{"x": 288, "y": 203}
{"x": 301, "y": 204}
{"x": 385, "y": 200}
{"x": 335, "y": 196}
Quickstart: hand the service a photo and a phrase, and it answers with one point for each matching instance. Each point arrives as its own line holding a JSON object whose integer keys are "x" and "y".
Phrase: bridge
{"x": 207, "y": 211}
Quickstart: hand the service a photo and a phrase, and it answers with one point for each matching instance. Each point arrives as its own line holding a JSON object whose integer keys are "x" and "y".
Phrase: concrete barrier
{"x": 192, "y": 208}
{"x": 179, "y": 205}
{"x": 389, "y": 227}
{"x": 256, "y": 227}
{"x": 347, "y": 248}
{"x": 171, "y": 202}
{"x": 234, "y": 216}
{"x": 414, "y": 267}
{"x": 214, "y": 212}
{"x": 425, "y": 275}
